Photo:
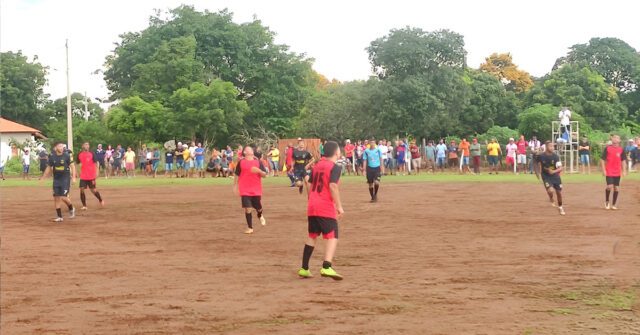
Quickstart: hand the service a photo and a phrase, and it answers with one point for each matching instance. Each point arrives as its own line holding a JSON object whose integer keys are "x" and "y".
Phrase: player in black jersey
{"x": 302, "y": 161}
{"x": 64, "y": 173}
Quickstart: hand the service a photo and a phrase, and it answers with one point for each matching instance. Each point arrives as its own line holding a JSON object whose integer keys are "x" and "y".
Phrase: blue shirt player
{"x": 372, "y": 160}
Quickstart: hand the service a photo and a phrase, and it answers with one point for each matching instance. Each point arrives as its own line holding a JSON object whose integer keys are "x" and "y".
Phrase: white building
{"x": 12, "y": 132}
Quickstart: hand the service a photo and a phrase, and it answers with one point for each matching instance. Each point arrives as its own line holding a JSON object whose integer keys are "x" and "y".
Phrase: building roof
{"x": 7, "y": 126}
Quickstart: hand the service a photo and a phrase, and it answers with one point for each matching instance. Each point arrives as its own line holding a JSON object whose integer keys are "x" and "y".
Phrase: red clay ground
{"x": 430, "y": 258}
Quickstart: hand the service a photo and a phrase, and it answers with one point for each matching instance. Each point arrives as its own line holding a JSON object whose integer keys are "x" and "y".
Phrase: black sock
{"x": 326, "y": 265}
{"x": 59, "y": 212}
{"x": 607, "y": 193}
{"x": 70, "y": 207}
{"x": 83, "y": 199}
{"x": 249, "y": 219}
{"x": 97, "y": 194}
{"x": 259, "y": 212}
{"x": 376, "y": 187}
{"x": 615, "y": 197}
{"x": 371, "y": 191}
{"x": 306, "y": 256}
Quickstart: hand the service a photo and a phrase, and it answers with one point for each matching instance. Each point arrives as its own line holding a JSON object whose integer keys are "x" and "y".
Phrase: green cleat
{"x": 304, "y": 273}
{"x": 330, "y": 272}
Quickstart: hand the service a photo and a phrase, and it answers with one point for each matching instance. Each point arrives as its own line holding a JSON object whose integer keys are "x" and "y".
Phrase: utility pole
{"x": 86, "y": 106}
{"x": 69, "y": 116}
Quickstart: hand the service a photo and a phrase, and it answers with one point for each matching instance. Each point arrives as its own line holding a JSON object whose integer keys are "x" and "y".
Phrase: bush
{"x": 13, "y": 166}
{"x": 502, "y": 134}
{"x": 536, "y": 120}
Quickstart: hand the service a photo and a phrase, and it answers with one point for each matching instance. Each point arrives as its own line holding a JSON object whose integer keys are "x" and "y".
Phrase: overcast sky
{"x": 335, "y": 33}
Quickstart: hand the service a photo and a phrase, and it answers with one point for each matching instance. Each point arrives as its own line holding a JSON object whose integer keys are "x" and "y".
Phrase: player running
{"x": 372, "y": 163}
{"x": 302, "y": 161}
{"x": 247, "y": 182}
{"x": 88, "y": 173}
{"x": 323, "y": 209}
{"x": 64, "y": 173}
{"x": 550, "y": 167}
{"x": 613, "y": 168}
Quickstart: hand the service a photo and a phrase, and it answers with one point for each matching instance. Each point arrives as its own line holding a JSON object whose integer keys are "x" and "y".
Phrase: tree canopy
{"x": 21, "y": 88}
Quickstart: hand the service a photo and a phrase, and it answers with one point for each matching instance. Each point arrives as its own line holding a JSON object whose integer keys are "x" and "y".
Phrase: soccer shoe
{"x": 331, "y": 273}
{"x": 553, "y": 204}
{"x": 263, "y": 221}
{"x": 614, "y": 207}
{"x": 84, "y": 208}
{"x": 248, "y": 231}
{"x": 561, "y": 210}
{"x": 58, "y": 220}
{"x": 607, "y": 205}
{"x": 72, "y": 213}
{"x": 304, "y": 273}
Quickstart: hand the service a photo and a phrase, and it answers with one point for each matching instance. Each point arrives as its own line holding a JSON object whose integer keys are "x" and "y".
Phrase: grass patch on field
{"x": 142, "y": 181}
{"x": 604, "y": 301}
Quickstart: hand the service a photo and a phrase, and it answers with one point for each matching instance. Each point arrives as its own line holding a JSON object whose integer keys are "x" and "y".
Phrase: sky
{"x": 334, "y": 33}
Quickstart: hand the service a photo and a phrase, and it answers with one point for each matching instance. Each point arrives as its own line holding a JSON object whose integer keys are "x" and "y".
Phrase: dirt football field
{"x": 428, "y": 258}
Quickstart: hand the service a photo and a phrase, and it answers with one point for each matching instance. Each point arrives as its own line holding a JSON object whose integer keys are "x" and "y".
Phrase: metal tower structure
{"x": 567, "y": 150}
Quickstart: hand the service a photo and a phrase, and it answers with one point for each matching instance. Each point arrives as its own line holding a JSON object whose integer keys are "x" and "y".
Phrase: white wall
{"x": 5, "y": 138}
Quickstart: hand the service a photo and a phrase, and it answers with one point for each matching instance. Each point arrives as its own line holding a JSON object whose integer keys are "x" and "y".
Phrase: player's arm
{"x": 335, "y": 191}
{"x": 381, "y": 162}
{"x": 236, "y": 173}
{"x": 624, "y": 164}
{"x": 603, "y": 162}
{"x": 72, "y": 167}
{"x": 260, "y": 170}
{"x": 365, "y": 160}
{"x": 310, "y": 164}
{"x": 46, "y": 173}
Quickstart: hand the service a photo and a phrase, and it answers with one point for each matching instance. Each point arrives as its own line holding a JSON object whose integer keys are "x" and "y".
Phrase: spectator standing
{"x": 584, "y": 150}
{"x": 430, "y": 156}
{"x": 476, "y": 155}
{"x": 441, "y": 155}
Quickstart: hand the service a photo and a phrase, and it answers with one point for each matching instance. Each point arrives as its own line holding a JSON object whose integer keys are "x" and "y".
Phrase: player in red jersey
{"x": 613, "y": 168}
{"x": 247, "y": 183}
{"x": 88, "y": 174}
{"x": 323, "y": 209}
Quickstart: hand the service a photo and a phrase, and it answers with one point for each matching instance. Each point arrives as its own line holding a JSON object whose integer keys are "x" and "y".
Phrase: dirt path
{"x": 429, "y": 258}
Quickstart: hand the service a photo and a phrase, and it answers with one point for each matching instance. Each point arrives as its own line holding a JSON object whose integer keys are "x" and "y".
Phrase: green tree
{"x": 612, "y": 58}
{"x": 211, "y": 113}
{"x": 134, "y": 119}
{"x": 21, "y": 89}
{"x": 341, "y": 111}
{"x": 537, "y": 119}
{"x": 490, "y": 104}
{"x": 413, "y": 51}
{"x": 582, "y": 90}
{"x": 57, "y": 110}
{"x": 191, "y": 46}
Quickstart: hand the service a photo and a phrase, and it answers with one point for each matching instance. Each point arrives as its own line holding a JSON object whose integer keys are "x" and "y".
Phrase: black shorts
{"x": 555, "y": 183}
{"x": 251, "y": 202}
{"x": 88, "y": 183}
{"x": 615, "y": 181}
{"x": 328, "y": 227}
{"x": 299, "y": 173}
{"x": 61, "y": 189}
{"x": 43, "y": 165}
{"x": 373, "y": 174}
{"x": 359, "y": 162}
{"x": 101, "y": 162}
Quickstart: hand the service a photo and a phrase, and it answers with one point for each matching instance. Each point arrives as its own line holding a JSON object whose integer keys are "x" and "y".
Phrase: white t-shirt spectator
{"x": 512, "y": 148}
{"x": 534, "y": 145}
{"x": 565, "y": 117}
{"x": 26, "y": 159}
{"x": 192, "y": 151}
{"x": 383, "y": 150}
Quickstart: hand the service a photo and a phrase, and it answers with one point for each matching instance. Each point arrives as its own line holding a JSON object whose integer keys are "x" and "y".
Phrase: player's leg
{"x": 616, "y": 189}
{"x": 376, "y": 183}
{"x": 607, "y": 193}
{"x": 256, "y": 202}
{"x": 57, "y": 203}
{"x": 558, "y": 188}
{"x": 549, "y": 188}
{"x": 330, "y": 234}
{"x": 248, "y": 217}
{"x": 314, "y": 230}
{"x": 83, "y": 197}
{"x": 93, "y": 188}
{"x": 72, "y": 210}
